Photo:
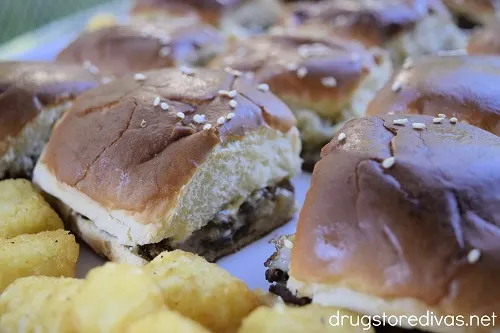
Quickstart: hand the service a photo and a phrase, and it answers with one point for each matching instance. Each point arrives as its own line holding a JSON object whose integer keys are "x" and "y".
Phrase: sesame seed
{"x": 90, "y": 67}
{"x": 408, "y": 63}
{"x": 442, "y": 115}
{"x": 187, "y": 70}
{"x": 223, "y": 92}
{"x": 233, "y": 72}
{"x": 355, "y": 57}
{"x": 105, "y": 79}
{"x": 249, "y": 75}
{"x": 165, "y": 51}
{"x": 232, "y": 93}
{"x": 390, "y": 113}
{"x": 341, "y": 137}
{"x": 473, "y": 256}
{"x": 233, "y": 104}
{"x": 164, "y": 40}
{"x": 199, "y": 118}
{"x": 437, "y": 120}
{"x": 401, "y": 121}
{"x": 164, "y": 106}
{"x": 292, "y": 67}
{"x": 230, "y": 115}
{"x": 139, "y": 77}
{"x": 263, "y": 87}
{"x": 143, "y": 123}
{"x": 207, "y": 127}
{"x": 181, "y": 115}
{"x": 301, "y": 72}
{"x": 329, "y": 81}
{"x": 397, "y": 86}
{"x": 221, "y": 120}
{"x": 418, "y": 125}
{"x": 157, "y": 101}
{"x": 388, "y": 162}
{"x": 288, "y": 244}
{"x": 453, "y": 120}
{"x": 303, "y": 51}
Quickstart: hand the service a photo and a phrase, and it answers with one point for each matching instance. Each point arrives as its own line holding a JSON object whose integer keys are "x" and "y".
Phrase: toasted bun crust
{"x": 28, "y": 89}
{"x": 485, "y": 40}
{"x": 373, "y": 22}
{"x": 457, "y": 86}
{"x": 118, "y": 50}
{"x": 306, "y": 71}
{"x": 137, "y": 157}
{"x": 480, "y": 11}
{"x": 208, "y": 11}
{"x": 406, "y": 231}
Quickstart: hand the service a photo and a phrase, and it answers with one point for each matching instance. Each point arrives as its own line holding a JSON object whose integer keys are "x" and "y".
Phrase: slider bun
{"x": 143, "y": 174}
{"x": 307, "y": 71}
{"x": 33, "y": 95}
{"x": 404, "y": 27}
{"x": 235, "y": 17}
{"x": 457, "y": 86}
{"x": 323, "y": 79}
{"x": 485, "y": 40}
{"x": 420, "y": 234}
{"x": 479, "y": 11}
{"x": 372, "y": 22}
{"x": 116, "y": 50}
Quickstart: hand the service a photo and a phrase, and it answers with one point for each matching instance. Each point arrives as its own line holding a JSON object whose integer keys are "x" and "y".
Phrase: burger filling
{"x": 232, "y": 228}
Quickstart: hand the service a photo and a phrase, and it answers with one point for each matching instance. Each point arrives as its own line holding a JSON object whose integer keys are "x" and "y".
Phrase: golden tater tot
{"x": 202, "y": 291}
{"x": 49, "y": 253}
{"x": 267, "y": 299}
{"x": 112, "y": 297}
{"x": 24, "y": 211}
{"x": 166, "y": 321}
{"x": 38, "y": 304}
{"x": 309, "y": 318}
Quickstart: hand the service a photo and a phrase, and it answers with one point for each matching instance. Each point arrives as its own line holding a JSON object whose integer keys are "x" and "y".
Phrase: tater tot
{"x": 24, "y": 211}
{"x": 112, "y": 297}
{"x": 166, "y": 321}
{"x": 309, "y": 318}
{"x": 202, "y": 291}
{"x": 49, "y": 253}
{"x": 38, "y": 304}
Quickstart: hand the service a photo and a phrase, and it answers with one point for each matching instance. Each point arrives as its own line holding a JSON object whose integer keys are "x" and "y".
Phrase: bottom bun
{"x": 231, "y": 229}
{"x": 398, "y": 309}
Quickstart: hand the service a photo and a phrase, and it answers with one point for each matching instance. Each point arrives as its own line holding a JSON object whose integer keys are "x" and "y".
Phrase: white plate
{"x": 44, "y": 44}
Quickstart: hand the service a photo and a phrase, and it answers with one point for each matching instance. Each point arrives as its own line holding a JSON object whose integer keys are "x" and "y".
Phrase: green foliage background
{"x": 20, "y": 16}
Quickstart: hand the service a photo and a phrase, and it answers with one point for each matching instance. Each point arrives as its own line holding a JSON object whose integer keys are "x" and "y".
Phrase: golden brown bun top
{"x": 200, "y": 4}
{"x": 117, "y": 50}
{"x": 121, "y": 150}
{"x": 372, "y": 22}
{"x": 406, "y": 231}
{"x": 457, "y": 86}
{"x": 209, "y": 11}
{"x": 485, "y": 40}
{"x": 474, "y": 8}
{"x": 27, "y": 87}
{"x": 298, "y": 62}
